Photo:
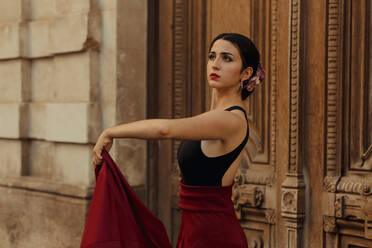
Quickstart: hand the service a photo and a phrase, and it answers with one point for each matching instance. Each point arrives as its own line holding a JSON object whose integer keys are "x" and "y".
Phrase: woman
{"x": 209, "y": 154}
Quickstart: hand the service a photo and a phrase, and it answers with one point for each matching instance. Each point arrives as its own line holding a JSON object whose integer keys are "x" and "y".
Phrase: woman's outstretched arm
{"x": 216, "y": 124}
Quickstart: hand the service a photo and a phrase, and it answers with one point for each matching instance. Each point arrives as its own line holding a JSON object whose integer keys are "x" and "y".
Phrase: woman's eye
{"x": 227, "y": 58}
{"x": 211, "y": 56}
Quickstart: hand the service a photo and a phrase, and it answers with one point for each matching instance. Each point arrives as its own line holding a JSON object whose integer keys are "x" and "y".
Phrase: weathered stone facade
{"x": 68, "y": 69}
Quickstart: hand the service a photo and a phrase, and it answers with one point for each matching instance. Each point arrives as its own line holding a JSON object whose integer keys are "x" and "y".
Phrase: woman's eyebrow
{"x": 224, "y": 53}
{"x": 227, "y": 53}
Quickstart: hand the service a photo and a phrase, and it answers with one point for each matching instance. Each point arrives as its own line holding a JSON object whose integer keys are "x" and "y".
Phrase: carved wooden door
{"x": 306, "y": 176}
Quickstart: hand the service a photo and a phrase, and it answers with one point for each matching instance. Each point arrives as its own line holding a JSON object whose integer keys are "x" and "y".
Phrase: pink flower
{"x": 260, "y": 75}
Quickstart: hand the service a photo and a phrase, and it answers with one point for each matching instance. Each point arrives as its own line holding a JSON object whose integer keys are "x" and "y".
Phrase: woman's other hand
{"x": 104, "y": 142}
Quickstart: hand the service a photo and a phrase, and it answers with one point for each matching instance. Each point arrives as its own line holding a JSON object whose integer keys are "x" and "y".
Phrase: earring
{"x": 241, "y": 84}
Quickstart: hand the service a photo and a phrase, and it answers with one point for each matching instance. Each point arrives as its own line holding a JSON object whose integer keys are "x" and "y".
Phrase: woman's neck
{"x": 224, "y": 99}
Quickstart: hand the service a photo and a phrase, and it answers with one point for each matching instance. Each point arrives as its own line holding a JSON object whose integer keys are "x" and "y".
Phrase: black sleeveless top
{"x": 200, "y": 170}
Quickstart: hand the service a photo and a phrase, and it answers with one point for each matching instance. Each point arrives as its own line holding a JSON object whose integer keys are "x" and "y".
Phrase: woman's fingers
{"x": 103, "y": 142}
{"x": 97, "y": 158}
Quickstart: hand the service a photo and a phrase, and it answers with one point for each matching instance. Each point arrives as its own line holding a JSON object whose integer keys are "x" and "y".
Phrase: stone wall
{"x": 68, "y": 69}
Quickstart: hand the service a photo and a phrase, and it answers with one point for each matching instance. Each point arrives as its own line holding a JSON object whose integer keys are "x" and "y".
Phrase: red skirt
{"x": 117, "y": 217}
{"x": 208, "y": 218}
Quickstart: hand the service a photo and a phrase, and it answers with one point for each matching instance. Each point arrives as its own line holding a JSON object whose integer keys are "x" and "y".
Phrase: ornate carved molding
{"x": 290, "y": 201}
{"x": 295, "y": 87}
{"x": 293, "y": 195}
{"x": 258, "y": 177}
{"x": 248, "y": 196}
{"x": 354, "y": 186}
{"x": 339, "y": 206}
{"x": 255, "y": 242}
{"x": 274, "y": 78}
{"x": 367, "y": 159}
{"x": 330, "y": 184}
{"x": 270, "y": 216}
{"x": 334, "y": 45}
{"x": 179, "y": 70}
{"x": 329, "y": 224}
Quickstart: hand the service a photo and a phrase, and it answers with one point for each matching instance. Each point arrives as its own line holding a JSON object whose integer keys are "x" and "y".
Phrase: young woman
{"x": 209, "y": 154}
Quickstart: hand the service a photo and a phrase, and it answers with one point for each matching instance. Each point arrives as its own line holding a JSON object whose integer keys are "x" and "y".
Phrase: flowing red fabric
{"x": 208, "y": 218}
{"x": 117, "y": 218}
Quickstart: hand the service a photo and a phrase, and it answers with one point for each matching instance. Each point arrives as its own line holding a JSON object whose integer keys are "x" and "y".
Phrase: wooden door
{"x": 306, "y": 176}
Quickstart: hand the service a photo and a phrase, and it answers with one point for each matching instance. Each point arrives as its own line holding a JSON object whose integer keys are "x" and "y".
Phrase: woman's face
{"x": 224, "y": 65}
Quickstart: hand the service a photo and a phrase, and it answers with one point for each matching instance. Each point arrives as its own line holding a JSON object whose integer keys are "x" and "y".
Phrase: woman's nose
{"x": 216, "y": 64}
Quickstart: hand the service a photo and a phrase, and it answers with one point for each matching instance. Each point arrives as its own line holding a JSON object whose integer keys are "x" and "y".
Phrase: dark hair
{"x": 248, "y": 52}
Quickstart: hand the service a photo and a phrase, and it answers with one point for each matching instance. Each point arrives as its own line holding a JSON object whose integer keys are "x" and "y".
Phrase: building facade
{"x": 71, "y": 68}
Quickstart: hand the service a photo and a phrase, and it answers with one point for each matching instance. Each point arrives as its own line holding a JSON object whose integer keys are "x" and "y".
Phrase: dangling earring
{"x": 241, "y": 84}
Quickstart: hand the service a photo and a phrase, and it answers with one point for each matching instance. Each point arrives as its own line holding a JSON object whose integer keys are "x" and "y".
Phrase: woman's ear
{"x": 246, "y": 74}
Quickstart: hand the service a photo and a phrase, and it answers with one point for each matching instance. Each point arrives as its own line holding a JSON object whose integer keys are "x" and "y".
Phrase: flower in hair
{"x": 260, "y": 75}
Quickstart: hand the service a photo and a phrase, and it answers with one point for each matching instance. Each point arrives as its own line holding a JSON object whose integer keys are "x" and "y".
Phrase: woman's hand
{"x": 104, "y": 142}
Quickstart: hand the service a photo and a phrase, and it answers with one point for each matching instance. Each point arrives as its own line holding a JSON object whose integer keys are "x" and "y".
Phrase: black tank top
{"x": 200, "y": 170}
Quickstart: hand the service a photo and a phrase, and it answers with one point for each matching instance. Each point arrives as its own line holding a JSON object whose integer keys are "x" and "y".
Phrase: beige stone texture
{"x": 42, "y": 157}
{"x": 37, "y": 120}
{"x": 42, "y": 73}
{"x": 59, "y": 162}
{"x": 42, "y": 9}
{"x": 38, "y": 39}
{"x": 73, "y": 164}
{"x": 14, "y": 120}
{"x": 13, "y": 10}
{"x": 76, "y": 123}
{"x": 13, "y": 156}
{"x": 66, "y": 7}
{"x": 70, "y": 33}
{"x": 31, "y": 219}
{"x": 76, "y": 78}
{"x": 14, "y": 81}
{"x": 65, "y": 78}
{"x": 130, "y": 156}
{"x": 10, "y": 36}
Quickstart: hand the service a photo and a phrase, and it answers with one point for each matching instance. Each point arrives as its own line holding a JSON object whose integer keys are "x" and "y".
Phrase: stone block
{"x": 10, "y": 36}
{"x": 14, "y": 120}
{"x": 76, "y": 77}
{"x": 38, "y": 39}
{"x": 14, "y": 81}
{"x": 69, "y": 33}
{"x": 30, "y": 219}
{"x": 14, "y": 10}
{"x": 37, "y": 120}
{"x": 42, "y": 159}
{"x": 42, "y": 73}
{"x": 76, "y": 123}
{"x": 13, "y": 158}
{"x": 75, "y": 32}
{"x": 131, "y": 157}
{"x": 42, "y": 9}
{"x": 73, "y": 164}
{"x": 66, "y": 7}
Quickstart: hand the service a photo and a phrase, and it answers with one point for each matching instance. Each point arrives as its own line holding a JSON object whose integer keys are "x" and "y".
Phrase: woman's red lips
{"x": 214, "y": 76}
